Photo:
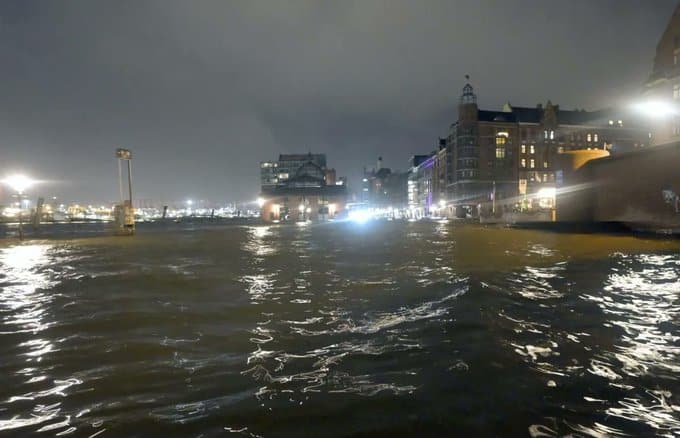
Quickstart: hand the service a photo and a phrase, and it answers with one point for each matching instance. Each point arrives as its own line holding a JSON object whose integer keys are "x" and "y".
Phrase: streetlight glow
{"x": 18, "y": 182}
{"x": 260, "y": 202}
{"x": 656, "y": 108}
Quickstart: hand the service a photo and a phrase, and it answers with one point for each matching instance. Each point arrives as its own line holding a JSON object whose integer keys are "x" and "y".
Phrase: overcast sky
{"x": 202, "y": 91}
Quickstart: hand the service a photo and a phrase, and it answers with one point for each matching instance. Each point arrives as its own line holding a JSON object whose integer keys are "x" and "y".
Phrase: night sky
{"x": 202, "y": 91}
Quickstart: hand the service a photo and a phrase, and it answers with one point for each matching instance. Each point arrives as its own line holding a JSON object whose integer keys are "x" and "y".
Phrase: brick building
{"x": 508, "y": 154}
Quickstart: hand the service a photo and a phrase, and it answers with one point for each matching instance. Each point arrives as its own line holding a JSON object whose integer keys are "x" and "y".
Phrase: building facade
{"x": 306, "y": 192}
{"x": 274, "y": 173}
{"x": 663, "y": 86}
{"x": 504, "y": 156}
{"x": 384, "y": 188}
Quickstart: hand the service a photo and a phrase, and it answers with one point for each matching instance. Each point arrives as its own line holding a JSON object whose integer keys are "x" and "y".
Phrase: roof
{"x": 333, "y": 190}
{"x": 520, "y": 114}
{"x": 302, "y": 157}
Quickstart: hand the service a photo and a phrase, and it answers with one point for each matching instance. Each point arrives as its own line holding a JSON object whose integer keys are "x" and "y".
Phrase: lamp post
{"x": 19, "y": 183}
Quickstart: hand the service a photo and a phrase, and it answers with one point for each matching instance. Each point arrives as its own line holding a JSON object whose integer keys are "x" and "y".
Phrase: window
{"x": 500, "y": 152}
{"x": 523, "y": 162}
{"x": 532, "y": 163}
{"x": 524, "y": 149}
{"x": 589, "y": 137}
{"x": 676, "y": 91}
{"x": 545, "y": 164}
{"x": 532, "y": 149}
{"x": 545, "y": 134}
{"x": 500, "y": 140}
{"x": 595, "y": 137}
{"x": 560, "y": 150}
{"x": 552, "y": 135}
{"x": 545, "y": 177}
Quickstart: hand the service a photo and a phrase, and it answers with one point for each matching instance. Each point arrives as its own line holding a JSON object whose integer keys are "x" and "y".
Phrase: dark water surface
{"x": 383, "y": 329}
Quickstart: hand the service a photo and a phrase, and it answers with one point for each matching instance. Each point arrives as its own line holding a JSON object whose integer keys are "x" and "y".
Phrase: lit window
{"x": 523, "y": 162}
{"x": 589, "y": 138}
{"x": 532, "y": 163}
{"x": 552, "y": 135}
{"x": 545, "y": 134}
{"x": 500, "y": 152}
{"x": 524, "y": 149}
{"x": 595, "y": 137}
{"x": 620, "y": 122}
{"x": 560, "y": 150}
{"x": 676, "y": 91}
{"x": 545, "y": 164}
{"x": 611, "y": 122}
{"x": 532, "y": 149}
{"x": 500, "y": 140}
{"x": 545, "y": 177}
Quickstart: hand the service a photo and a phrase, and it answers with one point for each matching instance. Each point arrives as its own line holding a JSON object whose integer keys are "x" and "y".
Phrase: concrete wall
{"x": 640, "y": 189}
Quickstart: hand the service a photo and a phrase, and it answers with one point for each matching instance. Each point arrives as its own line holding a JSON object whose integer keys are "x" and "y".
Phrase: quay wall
{"x": 640, "y": 189}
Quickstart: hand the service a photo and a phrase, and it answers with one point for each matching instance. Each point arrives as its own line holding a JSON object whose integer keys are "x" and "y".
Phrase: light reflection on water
{"x": 405, "y": 325}
{"x": 25, "y": 301}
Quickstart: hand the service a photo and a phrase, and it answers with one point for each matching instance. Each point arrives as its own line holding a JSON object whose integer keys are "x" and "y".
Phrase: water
{"x": 382, "y": 329}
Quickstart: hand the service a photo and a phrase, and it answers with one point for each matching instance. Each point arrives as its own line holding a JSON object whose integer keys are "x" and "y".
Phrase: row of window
{"x": 466, "y": 173}
{"x": 536, "y": 177}
{"x": 532, "y": 163}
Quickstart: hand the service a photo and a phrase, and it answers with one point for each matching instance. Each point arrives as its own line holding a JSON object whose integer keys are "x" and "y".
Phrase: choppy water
{"x": 395, "y": 328}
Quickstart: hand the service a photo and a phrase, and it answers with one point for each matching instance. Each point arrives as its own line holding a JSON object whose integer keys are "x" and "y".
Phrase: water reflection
{"x": 22, "y": 296}
{"x": 641, "y": 298}
{"x": 322, "y": 325}
{"x": 25, "y": 300}
{"x": 400, "y": 325}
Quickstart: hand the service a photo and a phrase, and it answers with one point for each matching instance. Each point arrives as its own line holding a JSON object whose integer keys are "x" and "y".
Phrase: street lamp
{"x": 19, "y": 183}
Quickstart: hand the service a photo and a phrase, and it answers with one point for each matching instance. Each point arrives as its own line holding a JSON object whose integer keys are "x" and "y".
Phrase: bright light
{"x": 442, "y": 203}
{"x": 260, "y": 202}
{"x": 360, "y": 216}
{"x": 655, "y": 109}
{"x": 309, "y": 210}
{"x": 546, "y": 192}
{"x": 190, "y": 202}
{"x": 18, "y": 183}
{"x": 301, "y": 208}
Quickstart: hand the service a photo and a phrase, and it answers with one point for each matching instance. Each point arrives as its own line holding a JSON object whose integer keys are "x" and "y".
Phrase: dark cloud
{"x": 202, "y": 91}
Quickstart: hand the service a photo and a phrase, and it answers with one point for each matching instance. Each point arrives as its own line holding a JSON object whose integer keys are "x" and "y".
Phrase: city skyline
{"x": 201, "y": 96}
